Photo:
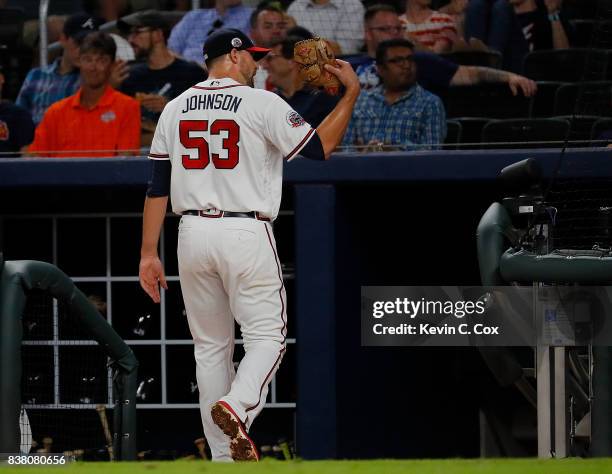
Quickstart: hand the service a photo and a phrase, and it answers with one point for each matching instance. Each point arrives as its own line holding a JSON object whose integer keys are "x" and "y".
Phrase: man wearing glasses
{"x": 161, "y": 76}
{"x": 398, "y": 114}
{"x": 190, "y": 33}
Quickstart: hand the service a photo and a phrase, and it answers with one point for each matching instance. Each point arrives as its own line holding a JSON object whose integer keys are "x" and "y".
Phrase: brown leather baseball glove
{"x": 312, "y": 55}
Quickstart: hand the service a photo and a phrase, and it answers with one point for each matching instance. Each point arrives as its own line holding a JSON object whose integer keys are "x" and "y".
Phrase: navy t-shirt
{"x": 434, "y": 73}
{"x": 16, "y": 129}
{"x": 170, "y": 81}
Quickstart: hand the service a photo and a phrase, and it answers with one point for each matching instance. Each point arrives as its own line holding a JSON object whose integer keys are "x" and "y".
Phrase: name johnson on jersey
{"x": 212, "y": 102}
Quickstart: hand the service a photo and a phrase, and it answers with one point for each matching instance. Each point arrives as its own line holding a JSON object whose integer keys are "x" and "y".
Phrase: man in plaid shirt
{"x": 60, "y": 79}
{"x": 398, "y": 114}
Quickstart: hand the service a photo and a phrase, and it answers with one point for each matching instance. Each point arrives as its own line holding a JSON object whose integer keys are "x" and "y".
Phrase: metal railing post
{"x": 43, "y": 13}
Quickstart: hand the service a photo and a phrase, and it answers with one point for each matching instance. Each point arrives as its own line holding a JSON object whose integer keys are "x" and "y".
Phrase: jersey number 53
{"x": 203, "y": 156}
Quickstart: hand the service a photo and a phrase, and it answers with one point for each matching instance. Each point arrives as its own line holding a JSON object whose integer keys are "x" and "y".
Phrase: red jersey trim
{"x": 217, "y": 88}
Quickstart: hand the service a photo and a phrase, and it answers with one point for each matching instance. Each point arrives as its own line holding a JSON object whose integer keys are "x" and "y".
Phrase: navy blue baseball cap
{"x": 223, "y": 41}
{"x": 80, "y": 25}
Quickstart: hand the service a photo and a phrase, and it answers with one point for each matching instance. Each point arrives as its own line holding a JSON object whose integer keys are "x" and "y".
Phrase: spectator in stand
{"x": 189, "y": 34}
{"x": 45, "y": 86}
{"x": 97, "y": 120}
{"x": 541, "y": 23}
{"x": 268, "y": 26}
{"x": 434, "y": 73}
{"x": 313, "y": 105}
{"x": 429, "y": 29}
{"x": 16, "y": 126}
{"x": 162, "y": 76}
{"x": 340, "y": 21}
{"x": 516, "y": 27}
{"x": 398, "y": 114}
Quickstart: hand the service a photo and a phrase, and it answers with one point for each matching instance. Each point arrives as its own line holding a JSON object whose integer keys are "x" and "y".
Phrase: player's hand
{"x": 151, "y": 273}
{"x": 119, "y": 73}
{"x": 154, "y": 102}
{"x": 520, "y": 83}
{"x": 345, "y": 73}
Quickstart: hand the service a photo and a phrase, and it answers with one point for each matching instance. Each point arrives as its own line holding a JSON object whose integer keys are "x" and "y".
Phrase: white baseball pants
{"x": 229, "y": 269}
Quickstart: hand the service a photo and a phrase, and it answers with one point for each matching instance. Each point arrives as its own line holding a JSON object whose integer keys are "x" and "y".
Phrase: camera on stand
{"x": 533, "y": 220}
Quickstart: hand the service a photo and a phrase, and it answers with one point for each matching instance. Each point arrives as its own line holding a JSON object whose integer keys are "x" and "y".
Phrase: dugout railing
{"x": 516, "y": 245}
{"x": 16, "y": 280}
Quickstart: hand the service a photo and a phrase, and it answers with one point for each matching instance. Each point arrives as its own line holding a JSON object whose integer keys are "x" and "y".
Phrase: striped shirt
{"x": 45, "y": 86}
{"x": 439, "y": 26}
{"x": 189, "y": 34}
{"x": 416, "y": 118}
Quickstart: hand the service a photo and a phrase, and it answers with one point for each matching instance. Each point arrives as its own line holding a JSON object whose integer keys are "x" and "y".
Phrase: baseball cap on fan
{"x": 80, "y": 25}
{"x": 149, "y": 19}
{"x": 223, "y": 41}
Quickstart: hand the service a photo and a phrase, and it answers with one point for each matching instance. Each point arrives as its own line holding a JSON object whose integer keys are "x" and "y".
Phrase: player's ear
{"x": 234, "y": 55}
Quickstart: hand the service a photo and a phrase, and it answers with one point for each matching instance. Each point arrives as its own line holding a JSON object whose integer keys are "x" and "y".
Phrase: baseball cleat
{"x": 241, "y": 446}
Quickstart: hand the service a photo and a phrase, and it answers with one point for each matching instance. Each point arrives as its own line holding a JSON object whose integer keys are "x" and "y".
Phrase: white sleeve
{"x": 285, "y": 128}
{"x": 159, "y": 145}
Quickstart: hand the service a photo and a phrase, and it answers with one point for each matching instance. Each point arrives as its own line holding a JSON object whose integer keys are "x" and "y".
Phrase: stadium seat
{"x": 11, "y": 26}
{"x": 525, "y": 133}
{"x": 580, "y": 128}
{"x": 580, "y": 8}
{"x": 485, "y": 100}
{"x": 16, "y": 63}
{"x": 453, "y": 134}
{"x": 567, "y": 65}
{"x": 586, "y": 98}
{"x": 475, "y": 58}
{"x": 583, "y": 30}
{"x": 602, "y": 130}
{"x": 543, "y": 103}
{"x": 600, "y": 36}
{"x": 471, "y": 129}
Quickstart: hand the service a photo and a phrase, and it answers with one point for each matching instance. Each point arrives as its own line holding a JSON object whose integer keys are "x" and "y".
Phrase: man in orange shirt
{"x": 97, "y": 120}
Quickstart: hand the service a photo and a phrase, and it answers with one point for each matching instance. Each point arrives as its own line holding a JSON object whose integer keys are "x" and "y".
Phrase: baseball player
{"x": 218, "y": 150}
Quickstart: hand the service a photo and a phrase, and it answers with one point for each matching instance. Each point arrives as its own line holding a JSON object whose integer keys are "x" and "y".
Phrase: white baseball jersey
{"x": 226, "y": 142}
